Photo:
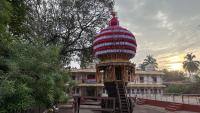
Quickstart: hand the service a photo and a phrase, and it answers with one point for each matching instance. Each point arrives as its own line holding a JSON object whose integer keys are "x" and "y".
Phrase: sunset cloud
{"x": 168, "y": 29}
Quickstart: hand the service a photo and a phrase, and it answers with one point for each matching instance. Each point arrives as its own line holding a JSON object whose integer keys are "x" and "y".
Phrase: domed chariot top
{"x": 114, "y": 42}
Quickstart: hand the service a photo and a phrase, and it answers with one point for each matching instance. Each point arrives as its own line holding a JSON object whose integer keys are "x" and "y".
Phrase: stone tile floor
{"x": 137, "y": 109}
{"x": 153, "y": 109}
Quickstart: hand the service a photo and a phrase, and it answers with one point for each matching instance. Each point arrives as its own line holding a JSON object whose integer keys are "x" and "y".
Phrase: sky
{"x": 166, "y": 29}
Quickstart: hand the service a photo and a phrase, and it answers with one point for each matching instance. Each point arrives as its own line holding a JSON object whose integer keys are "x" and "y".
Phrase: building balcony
{"x": 90, "y": 81}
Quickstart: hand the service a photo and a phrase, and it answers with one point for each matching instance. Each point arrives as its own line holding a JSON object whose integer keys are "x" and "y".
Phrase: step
{"x": 124, "y": 107}
{"x": 140, "y": 102}
{"x": 125, "y": 111}
{"x": 170, "y": 109}
{"x": 121, "y": 91}
{"x": 177, "y": 104}
{"x": 173, "y": 107}
{"x": 123, "y": 101}
{"x": 124, "y": 104}
{"x": 122, "y": 97}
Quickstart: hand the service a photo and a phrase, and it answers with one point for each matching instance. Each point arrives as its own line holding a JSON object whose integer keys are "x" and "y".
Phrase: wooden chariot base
{"x": 116, "y": 102}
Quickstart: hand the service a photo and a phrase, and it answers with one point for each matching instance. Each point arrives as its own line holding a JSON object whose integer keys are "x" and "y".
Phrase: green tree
{"x": 190, "y": 88}
{"x": 177, "y": 88}
{"x": 30, "y": 73}
{"x": 18, "y": 17}
{"x": 71, "y": 23}
{"x": 194, "y": 87}
{"x": 190, "y": 65}
{"x": 35, "y": 77}
{"x": 5, "y": 9}
{"x": 142, "y": 66}
{"x": 14, "y": 96}
{"x": 171, "y": 76}
{"x": 149, "y": 60}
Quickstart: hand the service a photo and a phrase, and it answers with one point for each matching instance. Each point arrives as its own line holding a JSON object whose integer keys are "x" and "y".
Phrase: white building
{"x": 143, "y": 83}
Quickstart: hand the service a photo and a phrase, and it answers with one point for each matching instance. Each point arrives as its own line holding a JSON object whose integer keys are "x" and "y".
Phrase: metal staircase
{"x": 123, "y": 100}
{"x": 117, "y": 89}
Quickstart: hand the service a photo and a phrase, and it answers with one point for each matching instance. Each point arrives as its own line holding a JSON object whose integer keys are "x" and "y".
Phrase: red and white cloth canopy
{"x": 114, "y": 40}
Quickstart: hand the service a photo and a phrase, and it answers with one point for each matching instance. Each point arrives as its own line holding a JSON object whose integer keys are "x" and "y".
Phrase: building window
{"x": 73, "y": 77}
{"x": 141, "y": 79}
{"x": 154, "y": 79}
{"x": 159, "y": 91}
{"x": 151, "y": 91}
{"x": 138, "y": 91}
{"x": 155, "y": 91}
{"x": 128, "y": 91}
{"x": 91, "y": 79}
{"x": 146, "y": 91}
{"x": 142, "y": 91}
{"x": 133, "y": 91}
{"x": 77, "y": 90}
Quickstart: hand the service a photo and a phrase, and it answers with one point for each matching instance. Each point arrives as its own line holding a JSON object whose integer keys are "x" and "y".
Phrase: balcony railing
{"x": 90, "y": 81}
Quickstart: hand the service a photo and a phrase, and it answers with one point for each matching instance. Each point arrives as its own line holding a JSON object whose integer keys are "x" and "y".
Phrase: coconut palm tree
{"x": 149, "y": 60}
{"x": 190, "y": 65}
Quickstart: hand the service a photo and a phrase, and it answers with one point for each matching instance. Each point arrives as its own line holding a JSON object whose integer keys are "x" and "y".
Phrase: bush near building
{"x": 191, "y": 88}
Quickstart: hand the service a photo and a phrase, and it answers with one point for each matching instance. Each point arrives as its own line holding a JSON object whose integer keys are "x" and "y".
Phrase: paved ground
{"x": 169, "y": 98}
{"x": 137, "y": 109}
{"x": 153, "y": 109}
{"x": 147, "y": 109}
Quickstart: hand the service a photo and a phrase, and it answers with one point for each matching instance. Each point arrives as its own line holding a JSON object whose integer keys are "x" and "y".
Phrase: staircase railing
{"x": 128, "y": 102}
{"x": 120, "y": 105}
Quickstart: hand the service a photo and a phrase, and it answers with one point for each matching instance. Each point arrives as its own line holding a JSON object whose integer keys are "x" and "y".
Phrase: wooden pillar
{"x": 125, "y": 73}
{"x": 113, "y": 72}
{"x": 97, "y": 74}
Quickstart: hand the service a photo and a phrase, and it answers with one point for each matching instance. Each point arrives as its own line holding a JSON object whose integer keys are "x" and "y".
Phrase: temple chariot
{"x": 114, "y": 46}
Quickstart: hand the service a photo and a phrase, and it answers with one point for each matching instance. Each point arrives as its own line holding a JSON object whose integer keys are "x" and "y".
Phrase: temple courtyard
{"x": 137, "y": 109}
